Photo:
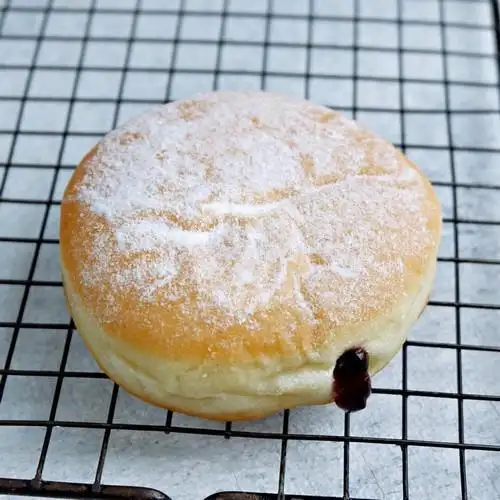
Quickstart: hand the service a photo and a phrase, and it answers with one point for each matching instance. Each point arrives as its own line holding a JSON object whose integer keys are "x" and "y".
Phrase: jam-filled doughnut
{"x": 237, "y": 253}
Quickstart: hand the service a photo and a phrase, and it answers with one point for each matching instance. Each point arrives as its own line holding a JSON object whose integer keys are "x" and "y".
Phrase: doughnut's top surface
{"x": 238, "y": 226}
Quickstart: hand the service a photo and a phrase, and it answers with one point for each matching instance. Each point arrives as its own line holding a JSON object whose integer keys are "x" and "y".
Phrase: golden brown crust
{"x": 138, "y": 321}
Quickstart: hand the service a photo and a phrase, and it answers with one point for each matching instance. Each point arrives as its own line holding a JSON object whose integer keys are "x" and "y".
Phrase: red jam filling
{"x": 351, "y": 381}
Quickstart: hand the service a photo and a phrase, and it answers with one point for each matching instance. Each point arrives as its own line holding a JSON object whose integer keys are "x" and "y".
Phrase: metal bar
{"x": 53, "y": 489}
{"x": 196, "y": 431}
{"x": 257, "y": 15}
{"x": 145, "y": 69}
{"x": 404, "y": 353}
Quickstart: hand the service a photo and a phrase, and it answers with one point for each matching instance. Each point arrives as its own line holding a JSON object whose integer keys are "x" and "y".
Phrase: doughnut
{"x": 234, "y": 254}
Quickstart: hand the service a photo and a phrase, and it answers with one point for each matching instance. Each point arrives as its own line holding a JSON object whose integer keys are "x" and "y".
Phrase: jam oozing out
{"x": 351, "y": 381}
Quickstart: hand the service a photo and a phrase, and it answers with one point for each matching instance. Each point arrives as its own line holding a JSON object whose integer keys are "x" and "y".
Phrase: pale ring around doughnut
{"x": 220, "y": 253}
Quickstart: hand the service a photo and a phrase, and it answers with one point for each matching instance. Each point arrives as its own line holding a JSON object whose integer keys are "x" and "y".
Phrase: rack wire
{"x": 70, "y": 70}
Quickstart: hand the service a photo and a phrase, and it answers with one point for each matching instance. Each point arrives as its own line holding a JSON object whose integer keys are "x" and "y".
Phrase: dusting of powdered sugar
{"x": 240, "y": 196}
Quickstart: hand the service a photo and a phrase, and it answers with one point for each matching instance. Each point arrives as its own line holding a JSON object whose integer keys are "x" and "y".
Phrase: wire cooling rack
{"x": 423, "y": 73}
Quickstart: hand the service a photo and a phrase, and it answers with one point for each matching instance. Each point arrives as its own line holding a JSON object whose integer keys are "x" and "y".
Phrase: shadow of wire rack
{"x": 424, "y": 73}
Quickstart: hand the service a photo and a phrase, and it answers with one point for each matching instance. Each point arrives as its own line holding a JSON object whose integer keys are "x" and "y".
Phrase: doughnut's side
{"x": 174, "y": 385}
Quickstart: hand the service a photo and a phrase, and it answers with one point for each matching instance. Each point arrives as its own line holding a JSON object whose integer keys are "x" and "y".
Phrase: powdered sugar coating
{"x": 250, "y": 199}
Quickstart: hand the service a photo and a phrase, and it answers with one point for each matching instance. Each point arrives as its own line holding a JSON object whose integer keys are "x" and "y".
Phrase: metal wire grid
{"x": 57, "y": 172}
